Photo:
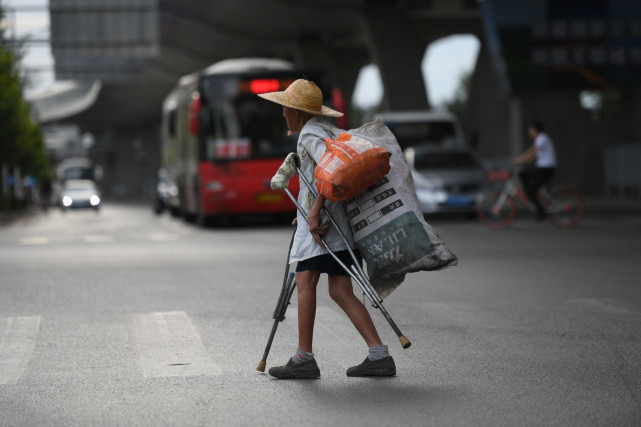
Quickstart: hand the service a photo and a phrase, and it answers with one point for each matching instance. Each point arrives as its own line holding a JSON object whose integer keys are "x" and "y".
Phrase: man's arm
{"x": 528, "y": 156}
{"x": 315, "y": 227}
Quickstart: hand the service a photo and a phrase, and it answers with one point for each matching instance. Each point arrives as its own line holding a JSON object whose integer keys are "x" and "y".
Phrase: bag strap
{"x": 328, "y": 131}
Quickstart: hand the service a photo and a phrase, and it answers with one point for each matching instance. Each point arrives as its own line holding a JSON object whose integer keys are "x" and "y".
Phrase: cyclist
{"x": 542, "y": 153}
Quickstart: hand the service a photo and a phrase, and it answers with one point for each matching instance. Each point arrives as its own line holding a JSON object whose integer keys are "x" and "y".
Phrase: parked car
{"x": 447, "y": 180}
{"x": 435, "y": 128}
{"x": 78, "y": 194}
{"x": 165, "y": 194}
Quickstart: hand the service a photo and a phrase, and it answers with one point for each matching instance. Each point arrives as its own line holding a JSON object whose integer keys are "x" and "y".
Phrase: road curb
{"x": 9, "y": 217}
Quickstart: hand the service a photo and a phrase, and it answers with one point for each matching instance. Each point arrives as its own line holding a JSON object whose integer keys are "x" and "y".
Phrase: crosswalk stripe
{"x": 169, "y": 346}
{"x": 17, "y": 341}
{"x": 606, "y": 305}
{"x": 163, "y": 237}
{"x": 93, "y": 238}
{"x": 39, "y": 240}
{"x": 99, "y": 238}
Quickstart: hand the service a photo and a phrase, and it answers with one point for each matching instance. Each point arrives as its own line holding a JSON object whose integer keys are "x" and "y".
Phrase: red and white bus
{"x": 221, "y": 144}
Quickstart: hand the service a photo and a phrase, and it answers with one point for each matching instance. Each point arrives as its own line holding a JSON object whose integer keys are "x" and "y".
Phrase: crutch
{"x": 356, "y": 271}
{"x": 289, "y": 284}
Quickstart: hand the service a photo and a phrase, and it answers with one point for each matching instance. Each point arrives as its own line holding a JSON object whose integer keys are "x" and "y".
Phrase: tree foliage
{"x": 21, "y": 140}
{"x": 458, "y": 103}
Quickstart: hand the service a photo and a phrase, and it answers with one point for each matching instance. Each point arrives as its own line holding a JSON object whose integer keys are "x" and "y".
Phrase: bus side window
{"x": 171, "y": 122}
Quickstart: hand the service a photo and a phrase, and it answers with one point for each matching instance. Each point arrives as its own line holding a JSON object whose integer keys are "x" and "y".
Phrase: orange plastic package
{"x": 350, "y": 165}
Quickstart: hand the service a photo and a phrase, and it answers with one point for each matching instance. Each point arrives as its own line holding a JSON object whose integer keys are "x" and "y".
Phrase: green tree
{"x": 21, "y": 140}
{"x": 458, "y": 104}
{"x": 10, "y": 106}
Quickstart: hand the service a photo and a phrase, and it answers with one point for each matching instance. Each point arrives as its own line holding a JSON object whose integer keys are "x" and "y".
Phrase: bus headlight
{"x": 67, "y": 201}
{"x": 94, "y": 200}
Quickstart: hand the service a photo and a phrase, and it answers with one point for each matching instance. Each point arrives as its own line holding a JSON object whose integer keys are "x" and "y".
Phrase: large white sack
{"x": 388, "y": 225}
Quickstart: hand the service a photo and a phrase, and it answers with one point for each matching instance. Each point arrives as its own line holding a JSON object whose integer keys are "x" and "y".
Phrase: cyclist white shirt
{"x": 545, "y": 155}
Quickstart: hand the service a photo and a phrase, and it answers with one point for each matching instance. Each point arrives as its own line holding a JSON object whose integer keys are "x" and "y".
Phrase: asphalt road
{"x": 125, "y": 318}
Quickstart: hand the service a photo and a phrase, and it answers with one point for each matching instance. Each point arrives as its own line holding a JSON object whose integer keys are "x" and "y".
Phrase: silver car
{"x": 447, "y": 180}
{"x": 79, "y": 193}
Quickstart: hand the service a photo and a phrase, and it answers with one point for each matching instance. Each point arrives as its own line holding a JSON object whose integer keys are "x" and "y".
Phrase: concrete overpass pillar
{"x": 398, "y": 52}
{"x": 346, "y": 69}
{"x": 343, "y": 64}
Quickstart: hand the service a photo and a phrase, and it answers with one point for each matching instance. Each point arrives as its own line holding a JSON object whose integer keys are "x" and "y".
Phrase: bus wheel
{"x": 203, "y": 220}
{"x": 158, "y": 206}
{"x": 220, "y": 221}
{"x": 187, "y": 217}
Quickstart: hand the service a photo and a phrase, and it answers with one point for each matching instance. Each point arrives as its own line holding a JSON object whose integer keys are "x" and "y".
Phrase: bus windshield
{"x": 242, "y": 125}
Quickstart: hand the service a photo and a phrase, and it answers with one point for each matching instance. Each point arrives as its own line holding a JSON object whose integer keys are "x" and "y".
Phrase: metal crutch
{"x": 289, "y": 284}
{"x": 356, "y": 272}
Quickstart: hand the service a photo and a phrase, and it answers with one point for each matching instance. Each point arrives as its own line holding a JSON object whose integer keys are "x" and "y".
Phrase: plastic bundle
{"x": 350, "y": 165}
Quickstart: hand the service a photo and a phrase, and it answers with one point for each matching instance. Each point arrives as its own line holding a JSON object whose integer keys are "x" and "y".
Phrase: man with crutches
{"x": 302, "y": 105}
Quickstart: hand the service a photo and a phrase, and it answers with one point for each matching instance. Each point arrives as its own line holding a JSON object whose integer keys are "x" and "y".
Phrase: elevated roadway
{"x": 340, "y": 36}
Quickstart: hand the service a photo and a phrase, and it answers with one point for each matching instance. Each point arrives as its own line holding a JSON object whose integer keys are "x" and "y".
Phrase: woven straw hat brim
{"x": 285, "y": 99}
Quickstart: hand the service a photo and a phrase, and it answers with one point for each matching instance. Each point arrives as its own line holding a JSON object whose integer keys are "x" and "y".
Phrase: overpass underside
{"x": 138, "y": 65}
{"x": 138, "y": 50}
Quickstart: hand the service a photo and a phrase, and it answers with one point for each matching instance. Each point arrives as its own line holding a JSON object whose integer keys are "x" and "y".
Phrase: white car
{"x": 447, "y": 180}
{"x": 434, "y": 128}
{"x": 79, "y": 193}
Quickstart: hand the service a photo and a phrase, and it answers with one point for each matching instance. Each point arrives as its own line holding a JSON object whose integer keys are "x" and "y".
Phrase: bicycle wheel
{"x": 495, "y": 214}
{"x": 565, "y": 209}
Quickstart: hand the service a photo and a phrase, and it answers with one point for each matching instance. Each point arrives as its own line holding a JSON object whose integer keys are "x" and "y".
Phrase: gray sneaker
{"x": 292, "y": 371}
{"x": 384, "y": 367}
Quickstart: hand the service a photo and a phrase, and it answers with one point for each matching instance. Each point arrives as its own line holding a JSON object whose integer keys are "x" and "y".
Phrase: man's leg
{"x": 531, "y": 185}
{"x": 379, "y": 362}
{"x": 306, "y": 282}
{"x": 527, "y": 178}
{"x": 341, "y": 291}
{"x": 303, "y": 364}
{"x": 541, "y": 177}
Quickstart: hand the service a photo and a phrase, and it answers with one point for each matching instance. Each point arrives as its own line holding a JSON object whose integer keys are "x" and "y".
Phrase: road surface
{"x": 125, "y": 318}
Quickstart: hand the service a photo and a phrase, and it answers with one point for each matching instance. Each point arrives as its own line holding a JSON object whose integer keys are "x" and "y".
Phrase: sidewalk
{"x": 9, "y": 216}
{"x": 612, "y": 206}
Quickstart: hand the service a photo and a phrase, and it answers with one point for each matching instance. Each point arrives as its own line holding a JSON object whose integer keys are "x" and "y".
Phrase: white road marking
{"x": 169, "y": 346}
{"x": 38, "y": 240}
{"x": 607, "y": 305}
{"x": 99, "y": 238}
{"x": 163, "y": 237}
{"x": 466, "y": 316}
{"x": 17, "y": 341}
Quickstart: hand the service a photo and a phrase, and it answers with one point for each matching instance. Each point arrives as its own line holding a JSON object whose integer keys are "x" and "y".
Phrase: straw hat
{"x": 302, "y": 95}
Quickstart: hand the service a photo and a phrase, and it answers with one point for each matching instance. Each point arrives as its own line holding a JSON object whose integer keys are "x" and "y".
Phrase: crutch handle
{"x": 261, "y": 366}
{"x": 404, "y": 342}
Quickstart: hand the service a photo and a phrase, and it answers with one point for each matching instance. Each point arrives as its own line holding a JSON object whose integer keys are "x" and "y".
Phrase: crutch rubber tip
{"x": 405, "y": 342}
{"x": 261, "y": 366}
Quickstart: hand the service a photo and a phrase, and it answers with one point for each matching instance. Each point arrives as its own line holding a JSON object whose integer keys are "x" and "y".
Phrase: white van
{"x": 434, "y": 128}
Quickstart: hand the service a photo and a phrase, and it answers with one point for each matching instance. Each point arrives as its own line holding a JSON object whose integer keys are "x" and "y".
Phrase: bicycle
{"x": 498, "y": 208}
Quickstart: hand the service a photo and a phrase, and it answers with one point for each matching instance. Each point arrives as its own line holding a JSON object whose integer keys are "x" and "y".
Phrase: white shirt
{"x": 311, "y": 142}
{"x": 545, "y": 155}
